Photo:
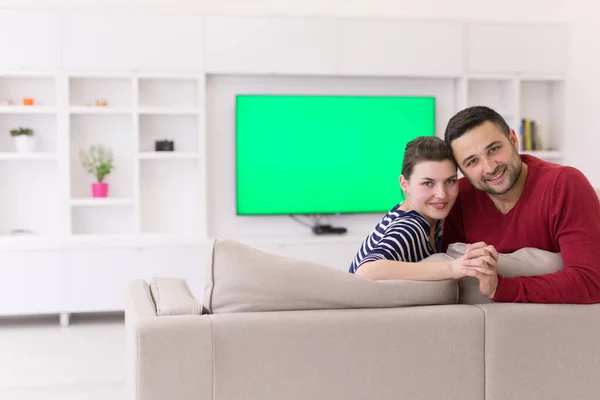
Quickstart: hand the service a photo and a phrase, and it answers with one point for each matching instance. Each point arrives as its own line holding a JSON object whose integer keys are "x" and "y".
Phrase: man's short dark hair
{"x": 425, "y": 148}
{"x": 473, "y": 117}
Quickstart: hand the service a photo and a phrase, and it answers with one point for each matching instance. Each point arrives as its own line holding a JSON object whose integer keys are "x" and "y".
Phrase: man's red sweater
{"x": 558, "y": 211}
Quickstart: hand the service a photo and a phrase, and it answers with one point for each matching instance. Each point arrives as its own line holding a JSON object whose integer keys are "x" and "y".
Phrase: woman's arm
{"x": 422, "y": 271}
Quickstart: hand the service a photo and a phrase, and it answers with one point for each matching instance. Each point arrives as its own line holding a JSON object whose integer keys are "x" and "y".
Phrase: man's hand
{"x": 481, "y": 262}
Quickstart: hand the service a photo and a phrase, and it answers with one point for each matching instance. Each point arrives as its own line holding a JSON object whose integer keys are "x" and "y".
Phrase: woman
{"x": 412, "y": 230}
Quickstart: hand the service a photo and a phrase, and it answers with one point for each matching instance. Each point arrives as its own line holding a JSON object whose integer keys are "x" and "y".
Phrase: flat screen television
{"x": 324, "y": 154}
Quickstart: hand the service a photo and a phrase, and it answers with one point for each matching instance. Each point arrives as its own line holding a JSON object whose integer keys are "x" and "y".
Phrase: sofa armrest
{"x": 168, "y": 357}
{"x": 542, "y": 351}
{"x": 173, "y": 296}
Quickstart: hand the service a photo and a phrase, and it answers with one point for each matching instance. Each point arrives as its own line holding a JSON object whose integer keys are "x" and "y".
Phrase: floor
{"x": 41, "y": 360}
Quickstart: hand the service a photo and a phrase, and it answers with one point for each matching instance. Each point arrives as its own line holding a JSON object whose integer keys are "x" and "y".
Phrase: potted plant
{"x": 98, "y": 162}
{"x": 23, "y": 140}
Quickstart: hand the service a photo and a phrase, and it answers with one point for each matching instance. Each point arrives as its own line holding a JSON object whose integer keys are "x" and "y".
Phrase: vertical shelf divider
{"x": 63, "y": 150}
{"x": 135, "y": 128}
{"x": 202, "y": 167}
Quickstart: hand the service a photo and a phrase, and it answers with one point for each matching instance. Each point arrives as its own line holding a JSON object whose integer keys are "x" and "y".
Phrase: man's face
{"x": 488, "y": 159}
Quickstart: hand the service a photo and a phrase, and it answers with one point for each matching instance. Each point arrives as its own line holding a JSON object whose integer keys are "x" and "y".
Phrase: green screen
{"x": 299, "y": 154}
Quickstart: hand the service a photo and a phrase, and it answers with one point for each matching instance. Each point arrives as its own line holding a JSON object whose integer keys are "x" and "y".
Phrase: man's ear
{"x": 512, "y": 136}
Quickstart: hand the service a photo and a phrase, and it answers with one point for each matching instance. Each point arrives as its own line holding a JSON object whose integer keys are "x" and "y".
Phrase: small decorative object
{"x": 8, "y": 102}
{"x": 23, "y": 140}
{"x": 28, "y": 101}
{"x": 99, "y": 163}
{"x": 101, "y": 103}
{"x": 164, "y": 145}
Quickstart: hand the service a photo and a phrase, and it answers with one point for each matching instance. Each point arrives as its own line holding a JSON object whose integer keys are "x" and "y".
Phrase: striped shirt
{"x": 399, "y": 236}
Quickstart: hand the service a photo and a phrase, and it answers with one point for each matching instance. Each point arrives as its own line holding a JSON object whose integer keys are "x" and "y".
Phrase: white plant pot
{"x": 24, "y": 143}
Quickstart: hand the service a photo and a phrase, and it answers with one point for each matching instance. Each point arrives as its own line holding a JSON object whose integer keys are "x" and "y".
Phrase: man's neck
{"x": 505, "y": 202}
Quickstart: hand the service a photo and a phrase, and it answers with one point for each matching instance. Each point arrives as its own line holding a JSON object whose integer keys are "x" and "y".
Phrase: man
{"x": 512, "y": 201}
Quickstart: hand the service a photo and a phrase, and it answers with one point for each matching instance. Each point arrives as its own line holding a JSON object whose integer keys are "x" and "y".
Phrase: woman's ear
{"x": 404, "y": 184}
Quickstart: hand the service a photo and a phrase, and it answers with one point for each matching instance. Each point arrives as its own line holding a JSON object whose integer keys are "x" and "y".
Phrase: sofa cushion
{"x": 244, "y": 279}
{"x": 523, "y": 262}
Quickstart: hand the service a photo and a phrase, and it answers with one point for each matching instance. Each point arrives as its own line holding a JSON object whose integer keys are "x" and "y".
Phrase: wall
{"x": 583, "y": 94}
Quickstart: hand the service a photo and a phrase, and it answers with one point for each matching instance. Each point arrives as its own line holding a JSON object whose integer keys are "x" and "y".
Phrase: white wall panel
{"x": 270, "y": 45}
{"x": 541, "y": 49}
{"x": 400, "y": 47}
{"x": 31, "y": 282}
{"x": 95, "y": 280}
{"x": 29, "y": 39}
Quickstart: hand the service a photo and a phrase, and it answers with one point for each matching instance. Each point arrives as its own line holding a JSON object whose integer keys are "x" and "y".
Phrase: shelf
{"x": 542, "y": 78}
{"x": 168, "y": 155}
{"x": 101, "y": 202}
{"x": 27, "y": 110}
{"x": 544, "y": 154}
{"x": 168, "y": 111}
{"x": 99, "y": 110}
{"x": 6, "y": 156}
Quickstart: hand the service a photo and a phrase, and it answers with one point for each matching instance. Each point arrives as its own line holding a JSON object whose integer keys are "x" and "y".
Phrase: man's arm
{"x": 575, "y": 220}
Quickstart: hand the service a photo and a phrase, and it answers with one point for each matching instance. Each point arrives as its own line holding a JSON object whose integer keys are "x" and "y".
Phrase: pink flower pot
{"x": 100, "y": 189}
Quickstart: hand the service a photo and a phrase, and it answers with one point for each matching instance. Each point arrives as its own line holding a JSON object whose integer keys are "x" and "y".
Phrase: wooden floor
{"x": 84, "y": 361}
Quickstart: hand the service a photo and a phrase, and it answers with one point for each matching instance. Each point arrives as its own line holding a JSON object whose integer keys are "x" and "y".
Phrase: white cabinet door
{"x": 399, "y": 47}
{"x": 29, "y": 39}
{"x": 98, "y": 40}
{"x": 168, "y": 43}
{"x": 31, "y": 282}
{"x": 96, "y": 279}
{"x": 118, "y": 41}
{"x": 270, "y": 45}
{"x": 520, "y": 48}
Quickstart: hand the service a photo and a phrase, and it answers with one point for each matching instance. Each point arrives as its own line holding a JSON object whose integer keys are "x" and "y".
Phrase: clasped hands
{"x": 479, "y": 261}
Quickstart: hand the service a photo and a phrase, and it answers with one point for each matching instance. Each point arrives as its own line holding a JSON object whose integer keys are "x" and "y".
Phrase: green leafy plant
{"x": 98, "y": 161}
{"x": 21, "y": 132}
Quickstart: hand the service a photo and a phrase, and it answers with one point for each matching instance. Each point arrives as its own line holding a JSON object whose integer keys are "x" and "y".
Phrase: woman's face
{"x": 431, "y": 189}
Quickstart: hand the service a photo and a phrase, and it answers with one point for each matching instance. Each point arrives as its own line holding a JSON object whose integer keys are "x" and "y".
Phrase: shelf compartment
{"x": 182, "y": 129}
{"x": 112, "y": 131}
{"x": 169, "y": 201}
{"x": 44, "y": 131}
{"x": 31, "y": 201}
{"x": 117, "y": 92}
{"x": 15, "y": 88}
{"x": 495, "y": 92}
{"x": 168, "y": 93}
{"x": 543, "y": 101}
{"x": 102, "y": 220}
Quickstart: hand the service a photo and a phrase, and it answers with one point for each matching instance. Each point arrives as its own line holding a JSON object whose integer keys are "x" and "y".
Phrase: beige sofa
{"x": 266, "y": 329}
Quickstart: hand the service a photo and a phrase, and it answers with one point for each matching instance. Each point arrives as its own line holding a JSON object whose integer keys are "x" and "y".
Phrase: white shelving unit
{"x": 516, "y": 96}
{"x": 150, "y": 192}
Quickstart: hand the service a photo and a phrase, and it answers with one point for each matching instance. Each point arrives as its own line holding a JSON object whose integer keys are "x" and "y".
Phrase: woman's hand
{"x": 481, "y": 262}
